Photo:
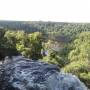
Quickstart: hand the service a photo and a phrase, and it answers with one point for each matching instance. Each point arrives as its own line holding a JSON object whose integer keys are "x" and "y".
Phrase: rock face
{"x": 24, "y": 74}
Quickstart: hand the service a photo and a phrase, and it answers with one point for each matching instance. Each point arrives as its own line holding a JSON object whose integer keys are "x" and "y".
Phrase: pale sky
{"x": 45, "y": 10}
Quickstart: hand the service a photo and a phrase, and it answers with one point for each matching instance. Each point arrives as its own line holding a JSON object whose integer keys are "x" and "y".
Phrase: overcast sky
{"x": 45, "y": 10}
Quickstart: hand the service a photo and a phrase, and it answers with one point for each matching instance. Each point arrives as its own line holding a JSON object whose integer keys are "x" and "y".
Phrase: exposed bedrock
{"x": 23, "y": 74}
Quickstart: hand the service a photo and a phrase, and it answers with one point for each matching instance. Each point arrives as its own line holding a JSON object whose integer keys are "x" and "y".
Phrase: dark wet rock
{"x": 23, "y": 74}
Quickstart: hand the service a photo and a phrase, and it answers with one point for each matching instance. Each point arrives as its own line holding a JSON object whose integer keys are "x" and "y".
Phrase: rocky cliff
{"x": 24, "y": 74}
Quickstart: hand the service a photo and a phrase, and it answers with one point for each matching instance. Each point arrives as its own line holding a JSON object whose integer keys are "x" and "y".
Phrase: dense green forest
{"x": 64, "y": 44}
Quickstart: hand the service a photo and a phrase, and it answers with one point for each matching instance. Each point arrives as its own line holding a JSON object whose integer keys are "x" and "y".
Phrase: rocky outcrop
{"x": 24, "y": 74}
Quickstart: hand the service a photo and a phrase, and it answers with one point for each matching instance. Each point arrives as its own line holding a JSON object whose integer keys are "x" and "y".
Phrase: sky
{"x": 45, "y": 10}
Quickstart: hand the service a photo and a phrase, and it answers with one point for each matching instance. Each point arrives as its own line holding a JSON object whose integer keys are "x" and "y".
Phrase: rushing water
{"x": 24, "y": 74}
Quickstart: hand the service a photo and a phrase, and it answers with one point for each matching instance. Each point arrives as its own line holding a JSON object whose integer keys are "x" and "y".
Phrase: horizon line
{"x": 42, "y": 21}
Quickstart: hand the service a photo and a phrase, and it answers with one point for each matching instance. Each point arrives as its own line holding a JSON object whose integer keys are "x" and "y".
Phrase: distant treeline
{"x": 52, "y": 28}
{"x": 32, "y": 26}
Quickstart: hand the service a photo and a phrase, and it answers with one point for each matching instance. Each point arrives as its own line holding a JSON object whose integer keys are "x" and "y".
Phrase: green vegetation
{"x": 80, "y": 58}
{"x": 64, "y": 44}
{"x": 29, "y": 45}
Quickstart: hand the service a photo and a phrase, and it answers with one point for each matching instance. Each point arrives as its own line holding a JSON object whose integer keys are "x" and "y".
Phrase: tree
{"x": 80, "y": 58}
{"x": 35, "y": 44}
{"x": 29, "y": 45}
{"x": 56, "y": 54}
{"x": 10, "y": 37}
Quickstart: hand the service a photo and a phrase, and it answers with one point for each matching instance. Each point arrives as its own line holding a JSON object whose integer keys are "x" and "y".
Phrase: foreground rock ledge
{"x": 23, "y": 74}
